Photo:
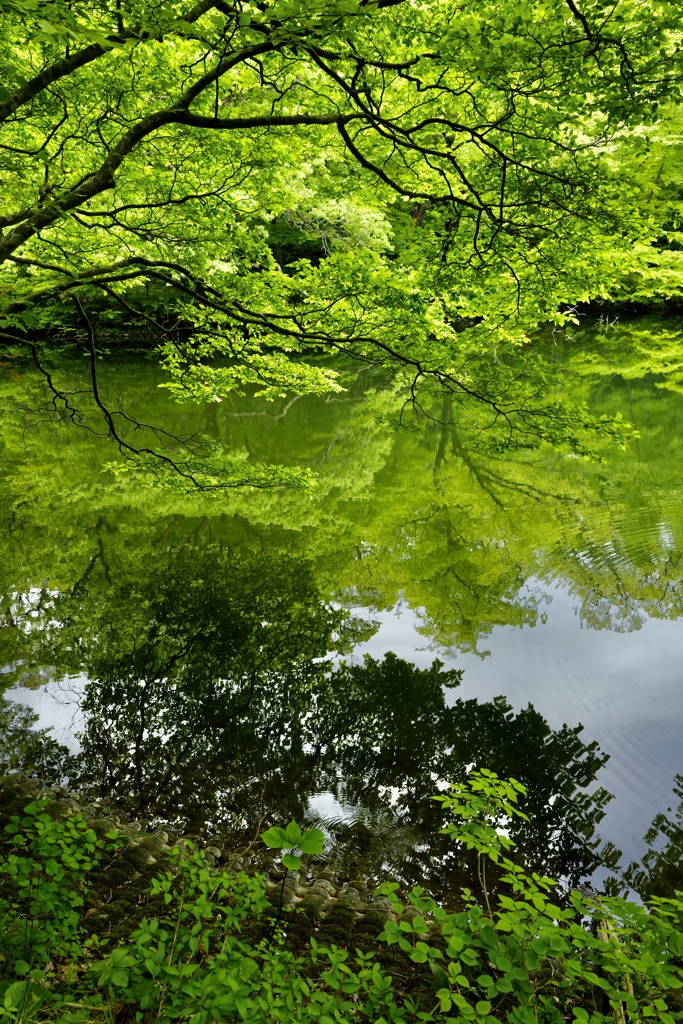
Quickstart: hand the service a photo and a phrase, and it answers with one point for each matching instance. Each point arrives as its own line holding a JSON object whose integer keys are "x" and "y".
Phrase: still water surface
{"x": 192, "y": 631}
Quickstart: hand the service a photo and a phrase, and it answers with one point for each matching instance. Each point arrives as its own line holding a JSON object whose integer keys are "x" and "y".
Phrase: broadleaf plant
{"x": 423, "y": 208}
{"x": 295, "y": 842}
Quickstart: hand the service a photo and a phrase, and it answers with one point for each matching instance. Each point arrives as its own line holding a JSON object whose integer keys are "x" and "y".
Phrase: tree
{"x": 436, "y": 165}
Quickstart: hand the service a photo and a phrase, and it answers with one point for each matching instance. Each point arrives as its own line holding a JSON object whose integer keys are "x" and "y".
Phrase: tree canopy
{"x": 258, "y": 186}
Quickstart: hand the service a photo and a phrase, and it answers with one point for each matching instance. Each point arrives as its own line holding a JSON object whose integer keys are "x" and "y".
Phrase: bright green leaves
{"x": 268, "y": 375}
{"x": 214, "y": 467}
{"x": 114, "y": 971}
{"x": 291, "y": 861}
{"x": 294, "y": 840}
{"x": 485, "y": 805}
{"x": 44, "y": 881}
{"x": 500, "y": 955}
{"x": 157, "y": 168}
{"x": 194, "y": 961}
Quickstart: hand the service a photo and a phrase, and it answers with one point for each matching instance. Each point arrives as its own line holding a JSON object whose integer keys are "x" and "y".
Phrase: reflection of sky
{"x": 57, "y": 706}
{"x": 625, "y": 688}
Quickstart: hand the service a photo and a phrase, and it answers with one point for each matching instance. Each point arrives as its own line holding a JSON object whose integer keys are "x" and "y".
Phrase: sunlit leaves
{"x": 295, "y": 841}
{"x": 459, "y": 193}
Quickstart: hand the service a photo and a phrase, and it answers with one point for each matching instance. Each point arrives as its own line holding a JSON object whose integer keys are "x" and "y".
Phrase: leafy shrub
{"x": 43, "y": 881}
{"x": 523, "y": 954}
{"x": 528, "y": 957}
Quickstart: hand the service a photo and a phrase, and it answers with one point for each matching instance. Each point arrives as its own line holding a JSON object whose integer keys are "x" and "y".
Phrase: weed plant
{"x": 521, "y": 954}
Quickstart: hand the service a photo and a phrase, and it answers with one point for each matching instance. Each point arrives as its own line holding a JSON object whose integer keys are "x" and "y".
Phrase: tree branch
{"x": 67, "y": 65}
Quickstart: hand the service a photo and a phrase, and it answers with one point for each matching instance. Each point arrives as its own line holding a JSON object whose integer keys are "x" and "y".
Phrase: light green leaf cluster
{"x": 266, "y": 375}
{"x": 419, "y": 185}
{"x": 297, "y": 842}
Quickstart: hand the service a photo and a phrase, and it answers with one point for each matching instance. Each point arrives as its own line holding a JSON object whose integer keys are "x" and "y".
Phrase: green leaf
{"x": 293, "y": 833}
{"x": 291, "y": 861}
{"x": 312, "y": 841}
{"x": 276, "y": 838}
{"x": 444, "y": 997}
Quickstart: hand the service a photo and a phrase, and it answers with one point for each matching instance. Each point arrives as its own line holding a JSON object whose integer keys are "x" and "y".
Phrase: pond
{"x": 218, "y": 661}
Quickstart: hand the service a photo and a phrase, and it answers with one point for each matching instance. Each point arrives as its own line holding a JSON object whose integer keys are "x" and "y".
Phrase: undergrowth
{"x": 519, "y": 954}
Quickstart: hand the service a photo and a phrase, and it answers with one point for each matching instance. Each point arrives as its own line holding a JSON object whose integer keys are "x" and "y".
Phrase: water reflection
{"x": 413, "y": 514}
{"x": 209, "y": 702}
{"x": 28, "y": 749}
{"x": 660, "y": 870}
{"x": 201, "y": 621}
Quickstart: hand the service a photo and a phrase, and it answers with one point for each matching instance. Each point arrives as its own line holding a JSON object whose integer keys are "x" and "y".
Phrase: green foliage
{"x": 294, "y": 840}
{"x": 656, "y": 276}
{"x": 526, "y": 955}
{"x": 249, "y": 188}
{"x": 193, "y": 957}
{"x": 43, "y": 879}
{"x": 195, "y": 965}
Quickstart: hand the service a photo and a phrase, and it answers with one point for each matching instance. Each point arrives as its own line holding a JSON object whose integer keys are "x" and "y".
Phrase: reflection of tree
{"x": 27, "y": 749}
{"x": 484, "y": 528}
{"x": 387, "y": 728}
{"x": 196, "y": 625}
{"x": 660, "y": 871}
{"x": 378, "y": 736}
{"x": 418, "y": 515}
{"x": 209, "y": 698}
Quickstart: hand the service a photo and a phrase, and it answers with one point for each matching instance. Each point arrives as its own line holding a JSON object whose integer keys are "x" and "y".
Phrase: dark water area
{"x": 217, "y": 661}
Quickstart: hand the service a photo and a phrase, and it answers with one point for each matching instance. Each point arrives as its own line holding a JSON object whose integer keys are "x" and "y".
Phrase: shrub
{"x": 43, "y": 881}
{"x": 522, "y": 954}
